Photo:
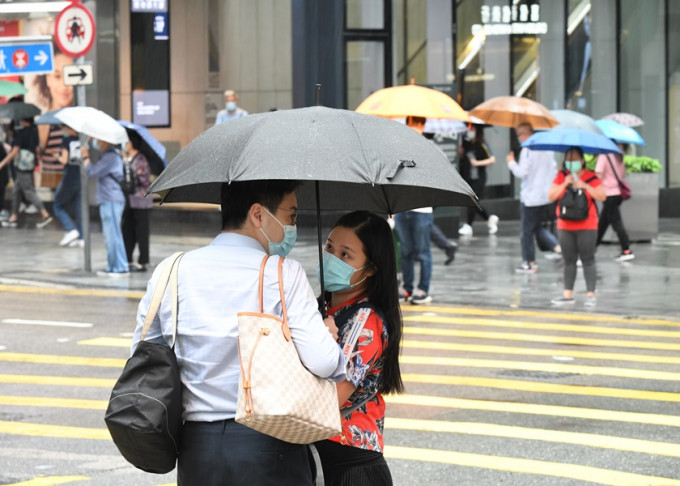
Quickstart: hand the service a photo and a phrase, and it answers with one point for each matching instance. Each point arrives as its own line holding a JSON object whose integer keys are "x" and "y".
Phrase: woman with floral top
{"x": 360, "y": 280}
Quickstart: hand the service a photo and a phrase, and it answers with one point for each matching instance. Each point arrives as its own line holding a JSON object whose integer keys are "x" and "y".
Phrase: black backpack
{"x": 574, "y": 204}
{"x": 129, "y": 181}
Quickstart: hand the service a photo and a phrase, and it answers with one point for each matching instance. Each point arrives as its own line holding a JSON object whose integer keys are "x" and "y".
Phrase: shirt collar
{"x": 236, "y": 239}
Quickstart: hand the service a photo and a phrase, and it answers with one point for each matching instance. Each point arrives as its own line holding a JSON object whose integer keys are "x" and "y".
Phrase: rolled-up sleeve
{"x": 314, "y": 343}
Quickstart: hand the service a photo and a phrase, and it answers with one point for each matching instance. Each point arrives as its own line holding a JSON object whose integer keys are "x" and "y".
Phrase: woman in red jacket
{"x": 578, "y": 238}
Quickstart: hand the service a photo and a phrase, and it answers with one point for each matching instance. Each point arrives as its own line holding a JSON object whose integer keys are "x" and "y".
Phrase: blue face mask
{"x": 572, "y": 166}
{"x": 289, "y": 238}
{"x": 230, "y": 105}
{"x": 337, "y": 274}
{"x": 95, "y": 144}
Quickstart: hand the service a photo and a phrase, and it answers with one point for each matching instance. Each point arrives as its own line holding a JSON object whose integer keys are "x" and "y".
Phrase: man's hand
{"x": 510, "y": 157}
{"x": 332, "y": 328}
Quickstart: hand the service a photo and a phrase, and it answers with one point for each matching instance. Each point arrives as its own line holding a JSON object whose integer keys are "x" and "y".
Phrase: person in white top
{"x": 215, "y": 283}
{"x": 536, "y": 169}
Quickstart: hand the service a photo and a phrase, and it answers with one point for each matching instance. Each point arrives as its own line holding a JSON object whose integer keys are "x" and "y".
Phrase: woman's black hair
{"x": 579, "y": 150}
{"x": 376, "y": 237}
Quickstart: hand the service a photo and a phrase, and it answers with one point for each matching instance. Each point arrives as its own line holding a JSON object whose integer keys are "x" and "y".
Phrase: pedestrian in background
{"x": 137, "y": 214}
{"x": 24, "y": 154}
{"x": 611, "y": 168}
{"x": 536, "y": 169}
{"x": 231, "y": 110}
{"x": 108, "y": 171}
{"x": 360, "y": 271}
{"x": 577, "y": 238}
{"x": 474, "y": 158}
{"x": 67, "y": 203}
{"x": 413, "y": 229}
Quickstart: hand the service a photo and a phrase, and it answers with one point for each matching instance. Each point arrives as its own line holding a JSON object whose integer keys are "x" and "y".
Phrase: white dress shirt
{"x": 215, "y": 283}
{"x": 537, "y": 169}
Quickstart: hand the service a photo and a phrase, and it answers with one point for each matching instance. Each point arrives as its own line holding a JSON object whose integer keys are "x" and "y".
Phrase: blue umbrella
{"x": 49, "y": 118}
{"x": 563, "y": 139}
{"x": 620, "y": 133}
{"x": 153, "y": 150}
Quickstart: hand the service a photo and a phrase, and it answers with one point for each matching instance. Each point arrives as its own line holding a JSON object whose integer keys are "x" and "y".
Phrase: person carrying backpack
{"x": 576, "y": 189}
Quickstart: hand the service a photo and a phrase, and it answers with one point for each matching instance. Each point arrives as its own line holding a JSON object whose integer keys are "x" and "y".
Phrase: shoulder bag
{"x": 623, "y": 185}
{"x": 277, "y": 395}
{"x": 144, "y": 415}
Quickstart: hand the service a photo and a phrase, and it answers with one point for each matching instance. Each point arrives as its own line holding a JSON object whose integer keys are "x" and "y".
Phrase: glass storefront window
{"x": 578, "y": 56}
{"x": 364, "y": 14}
{"x": 673, "y": 95}
{"x": 365, "y": 62}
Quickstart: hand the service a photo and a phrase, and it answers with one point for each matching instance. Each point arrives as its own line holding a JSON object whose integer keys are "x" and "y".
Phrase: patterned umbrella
{"x": 626, "y": 119}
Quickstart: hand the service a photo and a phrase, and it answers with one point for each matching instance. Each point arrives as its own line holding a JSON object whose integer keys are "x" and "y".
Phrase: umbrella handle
{"x": 322, "y": 298}
{"x": 483, "y": 212}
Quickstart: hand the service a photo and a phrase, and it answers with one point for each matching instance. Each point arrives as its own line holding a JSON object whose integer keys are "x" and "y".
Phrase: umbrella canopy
{"x": 93, "y": 123}
{"x": 357, "y": 162}
{"x": 510, "y": 111}
{"x": 563, "y": 139}
{"x": 49, "y": 118}
{"x": 619, "y": 133}
{"x": 10, "y": 88}
{"x": 18, "y": 110}
{"x": 574, "y": 119}
{"x": 412, "y": 100}
{"x": 626, "y": 119}
{"x": 153, "y": 150}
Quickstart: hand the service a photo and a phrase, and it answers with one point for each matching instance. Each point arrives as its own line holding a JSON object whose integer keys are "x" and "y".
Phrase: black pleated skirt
{"x": 350, "y": 466}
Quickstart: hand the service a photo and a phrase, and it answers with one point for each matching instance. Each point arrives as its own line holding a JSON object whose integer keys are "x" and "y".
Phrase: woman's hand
{"x": 332, "y": 328}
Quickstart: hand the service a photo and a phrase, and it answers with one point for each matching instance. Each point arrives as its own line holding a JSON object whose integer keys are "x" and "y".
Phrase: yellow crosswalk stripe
{"x": 50, "y": 481}
{"x": 526, "y": 466}
{"x": 545, "y": 367}
{"x": 57, "y": 380}
{"x": 544, "y": 326}
{"x": 532, "y": 386}
{"x": 571, "y": 353}
{"x": 569, "y": 316}
{"x": 111, "y": 342}
{"x": 56, "y": 431}
{"x": 534, "y": 409}
{"x": 26, "y": 401}
{"x": 544, "y": 435}
{"x": 128, "y": 294}
{"x": 540, "y": 338}
{"x": 62, "y": 360}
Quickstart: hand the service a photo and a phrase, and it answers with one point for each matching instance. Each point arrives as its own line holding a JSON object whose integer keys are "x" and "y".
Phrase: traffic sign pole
{"x": 84, "y": 186}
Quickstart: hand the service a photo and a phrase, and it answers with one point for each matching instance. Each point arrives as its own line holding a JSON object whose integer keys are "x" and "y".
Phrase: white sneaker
{"x": 31, "y": 210}
{"x": 69, "y": 237}
{"x": 77, "y": 243}
{"x": 465, "y": 230}
{"x": 492, "y": 223}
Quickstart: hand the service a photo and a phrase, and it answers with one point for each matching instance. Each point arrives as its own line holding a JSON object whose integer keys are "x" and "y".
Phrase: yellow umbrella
{"x": 412, "y": 100}
{"x": 510, "y": 111}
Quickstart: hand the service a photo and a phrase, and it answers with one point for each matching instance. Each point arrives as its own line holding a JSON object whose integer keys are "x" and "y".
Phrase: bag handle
{"x": 284, "y": 326}
{"x": 169, "y": 273}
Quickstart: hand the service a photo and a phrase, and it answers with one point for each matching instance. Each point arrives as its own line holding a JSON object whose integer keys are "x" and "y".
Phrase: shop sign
{"x": 149, "y": 6}
{"x": 520, "y": 19}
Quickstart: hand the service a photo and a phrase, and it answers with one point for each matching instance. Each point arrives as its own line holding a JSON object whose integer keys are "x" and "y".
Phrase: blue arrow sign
{"x": 28, "y": 58}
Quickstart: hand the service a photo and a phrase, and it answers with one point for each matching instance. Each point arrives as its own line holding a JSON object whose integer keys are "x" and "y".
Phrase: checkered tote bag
{"x": 277, "y": 395}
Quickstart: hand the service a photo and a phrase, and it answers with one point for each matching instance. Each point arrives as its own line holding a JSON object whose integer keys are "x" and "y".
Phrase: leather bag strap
{"x": 614, "y": 171}
{"x": 169, "y": 272}
{"x": 284, "y": 327}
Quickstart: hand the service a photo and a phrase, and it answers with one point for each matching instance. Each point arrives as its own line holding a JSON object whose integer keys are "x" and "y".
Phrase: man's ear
{"x": 255, "y": 215}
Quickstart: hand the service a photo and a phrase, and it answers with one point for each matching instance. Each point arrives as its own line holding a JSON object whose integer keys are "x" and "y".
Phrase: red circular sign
{"x": 74, "y": 30}
{"x": 20, "y": 59}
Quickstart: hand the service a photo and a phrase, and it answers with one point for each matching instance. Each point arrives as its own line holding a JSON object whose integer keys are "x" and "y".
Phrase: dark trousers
{"x": 4, "y": 180}
{"x": 136, "y": 232}
{"x": 532, "y": 225}
{"x": 575, "y": 245}
{"x": 476, "y": 185}
{"x": 612, "y": 215}
{"x": 226, "y": 453}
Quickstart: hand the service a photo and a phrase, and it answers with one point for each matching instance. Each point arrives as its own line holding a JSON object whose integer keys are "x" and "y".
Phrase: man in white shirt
{"x": 231, "y": 110}
{"x": 536, "y": 169}
{"x": 215, "y": 283}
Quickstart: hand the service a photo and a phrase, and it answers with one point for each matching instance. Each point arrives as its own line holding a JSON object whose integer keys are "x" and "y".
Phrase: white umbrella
{"x": 93, "y": 123}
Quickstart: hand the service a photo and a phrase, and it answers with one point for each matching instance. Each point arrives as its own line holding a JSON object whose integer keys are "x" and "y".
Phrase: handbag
{"x": 623, "y": 185}
{"x": 144, "y": 414}
{"x": 277, "y": 395}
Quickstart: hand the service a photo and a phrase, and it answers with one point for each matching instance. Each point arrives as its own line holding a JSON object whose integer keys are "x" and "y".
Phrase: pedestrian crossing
{"x": 512, "y": 396}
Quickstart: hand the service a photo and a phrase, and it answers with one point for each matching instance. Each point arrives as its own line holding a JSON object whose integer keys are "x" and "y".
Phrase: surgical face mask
{"x": 95, "y": 144}
{"x": 289, "y": 237}
{"x": 337, "y": 274}
{"x": 230, "y": 105}
{"x": 572, "y": 166}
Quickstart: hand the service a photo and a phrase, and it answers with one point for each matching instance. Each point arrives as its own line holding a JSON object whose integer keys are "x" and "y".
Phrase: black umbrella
{"x": 18, "y": 110}
{"x": 346, "y": 160}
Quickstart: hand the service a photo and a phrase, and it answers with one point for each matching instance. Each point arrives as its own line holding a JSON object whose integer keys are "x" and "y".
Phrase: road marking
{"x": 570, "y": 316}
{"x": 35, "y": 322}
{"x": 526, "y": 466}
{"x": 546, "y": 326}
{"x": 50, "y": 481}
{"x": 533, "y": 409}
{"x": 128, "y": 294}
{"x": 57, "y": 380}
{"x": 111, "y": 342}
{"x": 545, "y": 435}
{"x": 548, "y": 367}
{"x": 569, "y": 353}
{"x": 62, "y": 360}
{"x": 56, "y": 431}
{"x": 25, "y": 401}
{"x": 540, "y": 338}
{"x": 536, "y": 387}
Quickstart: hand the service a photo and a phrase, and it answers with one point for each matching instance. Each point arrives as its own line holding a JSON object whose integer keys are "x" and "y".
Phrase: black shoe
{"x": 135, "y": 267}
{"x": 450, "y": 254}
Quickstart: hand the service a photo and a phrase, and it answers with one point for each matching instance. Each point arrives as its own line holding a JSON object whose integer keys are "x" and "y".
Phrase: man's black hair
{"x": 238, "y": 197}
